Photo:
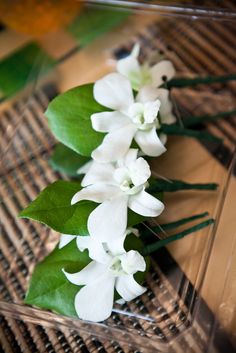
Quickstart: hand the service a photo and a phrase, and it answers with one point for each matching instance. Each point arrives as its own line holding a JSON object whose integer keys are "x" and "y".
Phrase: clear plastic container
{"x": 189, "y": 305}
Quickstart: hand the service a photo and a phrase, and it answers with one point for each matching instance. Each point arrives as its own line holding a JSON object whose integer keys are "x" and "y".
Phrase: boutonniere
{"x": 108, "y": 130}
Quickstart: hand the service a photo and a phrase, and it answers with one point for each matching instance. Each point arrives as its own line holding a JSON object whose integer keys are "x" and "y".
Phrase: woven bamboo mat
{"x": 25, "y": 171}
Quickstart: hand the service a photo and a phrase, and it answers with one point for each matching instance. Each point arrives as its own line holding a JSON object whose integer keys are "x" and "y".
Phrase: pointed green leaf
{"x": 66, "y": 161}
{"x": 49, "y": 288}
{"x": 69, "y": 119}
{"x": 53, "y": 208}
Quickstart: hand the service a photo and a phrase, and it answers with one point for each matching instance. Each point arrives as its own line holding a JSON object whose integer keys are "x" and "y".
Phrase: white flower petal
{"x": 151, "y": 110}
{"x": 85, "y": 168}
{"x": 145, "y": 204}
{"x": 65, "y": 239}
{"x": 120, "y": 301}
{"x": 116, "y": 245}
{"x": 128, "y": 288}
{"x": 147, "y": 94}
{"x": 98, "y": 193}
{"x": 115, "y": 144}
{"x": 149, "y": 142}
{"x": 169, "y": 118}
{"x": 83, "y": 242}
{"x": 130, "y": 157}
{"x": 135, "y": 110}
{"x": 94, "y": 302}
{"x": 139, "y": 171}
{"x": 95, "y": 249}
{"x": 121, "y": 174}
{"x": 109, "y": 121}
{"x": 128, "y": 66}
{"x": 99, "y": 173}
{"x": 162, "y": 69}
{"x": 132, "y": 230}
{"x": 87, "y": 275}
{"x": 97, "y": 253}
{"x": 166, "y": 106}
{"x": 163, "y": 138}
{"x": 163, "y": 95}
{"x": 114, "y": 91}
{"x": 136, "y": 50}
{"x": 132, "y": 262}
{"x": 108, "y": 221}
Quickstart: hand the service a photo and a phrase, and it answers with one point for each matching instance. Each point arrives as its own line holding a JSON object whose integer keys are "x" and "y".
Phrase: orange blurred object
{"x": 37, "y": 17}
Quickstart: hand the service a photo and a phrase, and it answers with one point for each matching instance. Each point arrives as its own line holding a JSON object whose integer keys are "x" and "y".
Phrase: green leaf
{"x": 134, "y": 218}
{"x": 66, "y": 161}
{"x": 49, "y": 288}
{"x": 69, "y": 119}
{"x": 23, "y": 67}
{"x": 53, "y": 208}
{"x": 92, "y": 23}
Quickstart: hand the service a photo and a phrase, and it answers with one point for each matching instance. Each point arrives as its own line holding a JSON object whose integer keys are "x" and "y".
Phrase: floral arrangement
{"x": 108, "y": 130}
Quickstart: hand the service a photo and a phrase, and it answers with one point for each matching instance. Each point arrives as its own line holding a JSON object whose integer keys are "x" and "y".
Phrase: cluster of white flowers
{"x": 116, "y": 179}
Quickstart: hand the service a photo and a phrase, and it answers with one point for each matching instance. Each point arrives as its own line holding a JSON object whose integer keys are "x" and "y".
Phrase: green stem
{"x": 177, "y": 185}
{"x": 176, "y": 224}
{"x": 148, "y": 249}
{"x": 146, "y": 234}
{"x": 181, "y": 82}
{"x": 178, "y": 130}
{"x": 194, "y": 120}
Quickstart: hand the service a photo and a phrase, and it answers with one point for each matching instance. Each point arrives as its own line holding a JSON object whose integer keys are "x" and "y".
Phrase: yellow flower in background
{"x": 36, "y": 17}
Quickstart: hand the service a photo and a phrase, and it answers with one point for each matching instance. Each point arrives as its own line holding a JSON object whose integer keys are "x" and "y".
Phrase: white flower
{"x": 108, "y": 271}
{"x": 82, "y": 242}
{"x": 162, "y": 94}
{"x": 88, "y": 242}
{"x": 130, "y": 119}
{"x": 117, "y": 186}
{"x": 145, "y": 75}
{"x": 148, "y": 79}
{"x": 65, "y": 239}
